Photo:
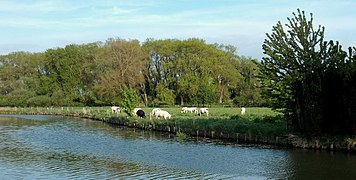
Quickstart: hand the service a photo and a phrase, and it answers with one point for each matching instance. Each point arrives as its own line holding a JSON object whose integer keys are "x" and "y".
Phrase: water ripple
{"x": 60, "y": 148}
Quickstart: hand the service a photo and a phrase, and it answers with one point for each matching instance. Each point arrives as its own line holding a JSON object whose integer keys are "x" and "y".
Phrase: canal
{"x": 55, "y": 147}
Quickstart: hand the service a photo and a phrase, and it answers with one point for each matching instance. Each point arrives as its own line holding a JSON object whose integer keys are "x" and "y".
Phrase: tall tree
{"x": 225, "y": 69}
{"x": 247, "y": 91}
{"x": 19, "y": 77}
{"x": 123, "y": 63}
{"x": 294, "y": 71}
{"x": 61, "y": 75}
{"x": 162, "y": 56}
{"x": 18, "y": 70}
{"x": 183, "y": 65}
{"x": 293, "y": 67}
{"x": 193, "y": 56}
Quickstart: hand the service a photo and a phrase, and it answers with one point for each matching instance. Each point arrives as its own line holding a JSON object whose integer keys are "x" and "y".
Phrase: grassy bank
{"x": 256, "y": 121}
{"x": 258, "y": 125}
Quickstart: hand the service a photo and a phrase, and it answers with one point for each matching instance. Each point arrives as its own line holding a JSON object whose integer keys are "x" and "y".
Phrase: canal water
{"x": 54, "y": 147}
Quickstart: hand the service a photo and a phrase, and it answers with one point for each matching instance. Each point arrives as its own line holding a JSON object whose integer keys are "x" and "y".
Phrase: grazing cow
{"x": 189, "y": 109}
{"x": 134, "y": 112}
{"x": 154, "y": 111}
{"x": 203, "y": 111}
{"x": 140, "y": 113}
{"x": 115, "y": 109}
{"x": 163, "y": 114}
{"x": 184, "y": 110}
{"x": 243, "y": 110}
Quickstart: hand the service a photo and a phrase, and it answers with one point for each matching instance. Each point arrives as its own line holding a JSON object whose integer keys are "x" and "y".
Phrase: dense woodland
{"x": 162, "y": 72}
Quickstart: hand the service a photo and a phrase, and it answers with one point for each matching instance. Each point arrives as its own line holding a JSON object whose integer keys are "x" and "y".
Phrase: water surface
{"x": 54, "y": 147}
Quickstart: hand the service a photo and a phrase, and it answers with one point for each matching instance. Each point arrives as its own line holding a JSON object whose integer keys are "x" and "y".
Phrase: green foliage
{"x": 297, "y": 73}
{"x": 16, "y": 98}
{"x": 181, "y": 135}
{"x": 183, "y": 65}
{"x": 339, "y": 92}
{"x": 39, "y": 101}
{"x": 58, "y": 98}
{"x": 165, "y": 96}
{"x": 292, "y": 70}
{"x": 62, "y": 70}
{"x": 193, "y": 72}
{"x": 122, "y": 63}
{"x": 258, "y": 121}
{"x": 129, "y": 100}
{"x": 238, "y": 101}
{"x": 206, "y": 93}
{"x": 89, "y": 99}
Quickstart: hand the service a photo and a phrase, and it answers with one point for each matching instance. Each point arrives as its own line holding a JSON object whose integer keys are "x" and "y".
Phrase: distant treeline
{"x": 162, "y": 72}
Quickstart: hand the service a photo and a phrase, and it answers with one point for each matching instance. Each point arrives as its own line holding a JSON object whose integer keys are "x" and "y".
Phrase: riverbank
{"x": 250, "y": 129}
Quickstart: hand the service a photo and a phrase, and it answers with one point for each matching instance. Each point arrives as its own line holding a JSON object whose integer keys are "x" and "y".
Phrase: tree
{"x": 19, "y": 77}
{"x": 225, "y": 69}
{"x": 193, "y": 58}
{"x": 162, "y": 64}
{"x": 165, "y": 96}
{"x": 90, "y": 72}
{"x": 129, "y": 100}
{"x": 123, "y": 64}
{"x": 339, "y": 91}
{"x": 294, "y": 71}
{"x": 182, "y": 65}
{"x": 247, "y": 91}
{"x": 206, "y": 93}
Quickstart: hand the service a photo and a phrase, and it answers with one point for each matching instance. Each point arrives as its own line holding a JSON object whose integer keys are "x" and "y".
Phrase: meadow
{"x": 256, "y": 121}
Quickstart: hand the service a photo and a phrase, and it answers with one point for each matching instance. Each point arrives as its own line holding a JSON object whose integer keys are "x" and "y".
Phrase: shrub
{"x": 130, "y": 100}
{"x": 165, "y": 96}
{"x": 39, "y": 101}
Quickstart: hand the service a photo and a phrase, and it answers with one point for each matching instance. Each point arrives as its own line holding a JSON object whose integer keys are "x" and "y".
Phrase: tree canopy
{"x": 161, "y": 72}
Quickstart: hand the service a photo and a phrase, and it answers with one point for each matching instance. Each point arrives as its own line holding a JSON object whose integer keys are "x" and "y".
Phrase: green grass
{"x": 220, "y": 112}
{"x": 256, "y": 121}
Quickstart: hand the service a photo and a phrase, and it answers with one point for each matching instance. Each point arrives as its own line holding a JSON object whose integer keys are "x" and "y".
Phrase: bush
{"x": 58, "y": 98}
{"x": 39, "y": 101}
{"x": 16, "y": 98}
{"x": 89, "y": 99}
{"x": 130, "y": 100}
{"x": 165, "y": 96}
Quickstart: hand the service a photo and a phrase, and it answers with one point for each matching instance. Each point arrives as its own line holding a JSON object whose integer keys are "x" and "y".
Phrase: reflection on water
{"x": 51, "y": 147}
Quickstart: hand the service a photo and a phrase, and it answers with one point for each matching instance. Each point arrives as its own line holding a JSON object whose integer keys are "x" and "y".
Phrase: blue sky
{"x": 34, "y": 25}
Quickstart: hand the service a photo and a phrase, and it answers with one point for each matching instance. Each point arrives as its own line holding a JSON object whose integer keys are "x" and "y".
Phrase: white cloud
{"x": 241, "y": 23}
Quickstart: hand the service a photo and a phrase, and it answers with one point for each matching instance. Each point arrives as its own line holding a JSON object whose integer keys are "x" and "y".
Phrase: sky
{"x": 38, "y": 25}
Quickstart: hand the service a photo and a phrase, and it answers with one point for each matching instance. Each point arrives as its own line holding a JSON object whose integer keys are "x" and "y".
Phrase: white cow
{"x": 184, "y": 110}
{"x": 189, "y": 109}
{"x": 204, "y": 111}
{"x": 115, "y": 109}
{"x": 243, "y": 110}
{"x": 163, "y": 114}
{"x": 154, "y": 111}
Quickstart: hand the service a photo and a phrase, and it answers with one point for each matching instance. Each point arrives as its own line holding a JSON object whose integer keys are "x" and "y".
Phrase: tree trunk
{"x": 221, "y": 96}
{"x": 181, "y": 100}
{"x": 145, "y": 98}
{"x": 143, "y": 86}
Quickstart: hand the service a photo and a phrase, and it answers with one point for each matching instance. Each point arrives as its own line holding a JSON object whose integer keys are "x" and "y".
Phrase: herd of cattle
{"x": 158, "y": 113}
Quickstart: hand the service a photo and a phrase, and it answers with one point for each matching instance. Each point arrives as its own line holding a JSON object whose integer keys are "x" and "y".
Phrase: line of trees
{"x": 313, "y": 80}
{"x": 161, "y": 72}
